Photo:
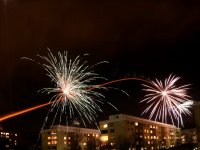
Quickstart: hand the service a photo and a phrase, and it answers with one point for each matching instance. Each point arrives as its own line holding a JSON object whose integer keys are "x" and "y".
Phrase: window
{"x": 136, "y": 123}
{"x": 104, "y": 138}
{"x": 105, "y": 126}
{"x": 104, "y": 131}
{"x": 110, "y": 124}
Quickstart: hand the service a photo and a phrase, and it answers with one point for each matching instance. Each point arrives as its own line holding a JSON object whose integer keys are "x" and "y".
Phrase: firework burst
{"x": 167, "y": 101}
{"x": 71, "y": 94}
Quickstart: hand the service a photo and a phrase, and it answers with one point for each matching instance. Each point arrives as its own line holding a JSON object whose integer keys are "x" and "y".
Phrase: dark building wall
{"x": 197, "y": 121}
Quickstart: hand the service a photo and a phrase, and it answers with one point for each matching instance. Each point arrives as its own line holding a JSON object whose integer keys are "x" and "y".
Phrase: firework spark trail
{"x": 166, "y": 100}
{"x": 23, "y": 111}
{"x": 57, "y": 101}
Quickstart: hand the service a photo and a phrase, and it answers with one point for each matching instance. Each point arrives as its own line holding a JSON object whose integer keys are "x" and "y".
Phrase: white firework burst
{"x": 73, "y": 93}
{"x": 166, "y": 101}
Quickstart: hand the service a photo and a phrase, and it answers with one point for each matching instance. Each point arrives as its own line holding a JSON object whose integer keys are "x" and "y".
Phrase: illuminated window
{"x": 84, "y": 144}
{"x": 104, "y": 138}
{"x": 105, "y": 126}
{"x": 7, "y": 133}
{"x": 150, "y": 126}
{"x": 69, "y": 137}
{"x": 97, "y": 135}
{"x": 136, "y": 123}
{"x": 15, "y": 134}
{"x": 49, "y": 137}
{"x": 151, "y": 131}
{"x": 53, "y": 132}
{"x": 65, "y": 137}
{"x": 65, "y": 142}
{"x": 54, "y": 142}
{"x": 88, "y": 135}
{"x": 49, "y": 143}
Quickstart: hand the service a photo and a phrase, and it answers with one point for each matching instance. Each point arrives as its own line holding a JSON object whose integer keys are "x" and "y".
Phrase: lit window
{"x": 69, "y": 137}
{"x": 15, "y": 134}
{"x": 105, "y": 126}
{"x": 150, "y": 126}
{"x": 49, "y": 143}
{"x": 88, "y": 135}
{"x": 7, "y": 133}
{"x": 65, "y": 137}
{"x": 54, "y": 142}
{"x": 151, "y": 131}
{"x": 53, "y": 132}
{"x": 84, "y": 144}
{"x": 97, "y": 135}
{"x": 49, "y": 137}
{"x": 104, "y": 138}
{"x": 65, "y": 142}
{"x": 136, "y": 123}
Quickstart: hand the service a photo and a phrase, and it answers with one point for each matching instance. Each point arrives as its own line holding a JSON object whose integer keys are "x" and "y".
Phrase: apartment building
{"x": 139, "y": 133}
{"x": 61, "y": 137}
{"x": 189, "y": 136}
{"x": 8, "y": 140}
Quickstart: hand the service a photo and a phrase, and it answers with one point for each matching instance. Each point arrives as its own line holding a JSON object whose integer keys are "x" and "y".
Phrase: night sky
{"x": 148, "y": 39}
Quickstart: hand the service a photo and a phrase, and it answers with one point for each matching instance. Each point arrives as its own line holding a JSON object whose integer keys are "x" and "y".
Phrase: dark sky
{"x": 143, "y": 38}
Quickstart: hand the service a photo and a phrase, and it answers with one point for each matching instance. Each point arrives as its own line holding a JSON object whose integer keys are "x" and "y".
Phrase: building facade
{"x": 8, "y": 140}
{"x": 137, "y": 133}
{"x": 197, "y": 121}
{"x": 69, "y": 138}
{"x": 189, "y": 136}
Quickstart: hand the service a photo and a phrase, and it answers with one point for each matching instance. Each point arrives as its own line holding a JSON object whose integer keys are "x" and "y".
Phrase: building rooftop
{"x": 118, "y": 117}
